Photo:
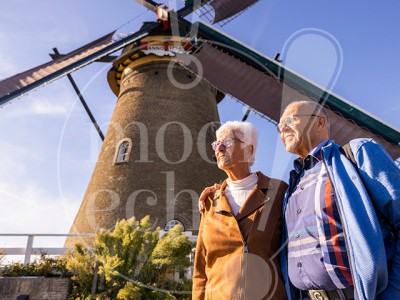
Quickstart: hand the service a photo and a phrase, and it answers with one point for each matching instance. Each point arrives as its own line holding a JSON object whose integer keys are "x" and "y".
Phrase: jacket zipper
{"x": 344, "y": 227}
{"x": 245, "y": 247}
{"x": 245, "y": 250}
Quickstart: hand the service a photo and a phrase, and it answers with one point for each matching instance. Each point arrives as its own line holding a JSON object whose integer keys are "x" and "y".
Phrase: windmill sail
{"x": 27, "y": 81}
{"x": 19, "y": 81}
{"x": 267, "y": 86}
{"x": 223, "y": 9}
{"x": 227, "y": 8}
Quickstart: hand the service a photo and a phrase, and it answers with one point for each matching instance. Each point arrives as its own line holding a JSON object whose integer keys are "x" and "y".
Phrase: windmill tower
{"x": 156, "y": 156}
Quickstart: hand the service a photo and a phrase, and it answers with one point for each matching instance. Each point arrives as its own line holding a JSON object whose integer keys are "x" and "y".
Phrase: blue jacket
{"x": 368, "y": 200}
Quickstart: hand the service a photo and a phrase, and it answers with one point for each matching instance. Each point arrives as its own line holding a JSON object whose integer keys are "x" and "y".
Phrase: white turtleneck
{"x": 237, "y": 191}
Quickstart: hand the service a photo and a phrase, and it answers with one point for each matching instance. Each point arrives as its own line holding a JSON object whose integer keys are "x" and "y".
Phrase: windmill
{"x": 221, "y": 57}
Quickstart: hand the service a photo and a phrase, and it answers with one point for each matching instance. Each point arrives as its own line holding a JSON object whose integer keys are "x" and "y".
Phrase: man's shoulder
{"x": 355, "y": 143}
{"x": 368, "y": 146}
{"x": 352, "y": 147}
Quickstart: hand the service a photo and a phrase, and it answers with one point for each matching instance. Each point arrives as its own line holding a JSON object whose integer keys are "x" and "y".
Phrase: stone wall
{"x": 38, "y": 288}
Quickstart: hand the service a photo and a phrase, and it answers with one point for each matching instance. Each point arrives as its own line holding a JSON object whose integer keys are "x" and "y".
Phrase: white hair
{"x": 243, "y": 131}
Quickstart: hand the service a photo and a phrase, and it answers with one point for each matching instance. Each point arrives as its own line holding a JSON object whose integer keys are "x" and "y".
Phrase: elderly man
{"x": 338, "y": 217}
{"x": 237, "y": 244}
{"x": 341, "y": 220}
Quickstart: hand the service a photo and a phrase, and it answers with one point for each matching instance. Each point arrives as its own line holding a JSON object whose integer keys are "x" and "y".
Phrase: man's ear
{"x": 322, "y": 121}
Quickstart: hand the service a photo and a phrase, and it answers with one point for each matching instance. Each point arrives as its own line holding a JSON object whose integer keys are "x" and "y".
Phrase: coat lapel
{"x": 257, "y": 198}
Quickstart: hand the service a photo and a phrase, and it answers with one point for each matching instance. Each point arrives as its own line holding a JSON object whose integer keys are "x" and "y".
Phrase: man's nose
{"x": 284, "y": 127}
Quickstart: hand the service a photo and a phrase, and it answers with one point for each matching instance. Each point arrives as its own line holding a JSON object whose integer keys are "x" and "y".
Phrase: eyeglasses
{"x": 289, "y": 120}
{"x": 227, "y": 142}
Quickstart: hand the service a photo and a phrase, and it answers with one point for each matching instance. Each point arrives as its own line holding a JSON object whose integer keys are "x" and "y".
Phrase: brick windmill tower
{"x": 156, "y": 156}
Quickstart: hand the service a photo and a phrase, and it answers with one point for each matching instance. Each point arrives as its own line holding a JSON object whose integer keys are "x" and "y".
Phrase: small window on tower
{"x": 123, "y": 151}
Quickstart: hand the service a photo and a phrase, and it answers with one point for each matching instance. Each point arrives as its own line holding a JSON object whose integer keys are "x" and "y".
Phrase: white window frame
{"x": 126, "y": 154}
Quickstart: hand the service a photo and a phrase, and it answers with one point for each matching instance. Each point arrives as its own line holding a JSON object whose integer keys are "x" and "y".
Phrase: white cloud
{"x": 47, "y": 107}
{"x": 29, "y": 208}
{"x": 8, "y": 165}
{"x": 35, "y": 104}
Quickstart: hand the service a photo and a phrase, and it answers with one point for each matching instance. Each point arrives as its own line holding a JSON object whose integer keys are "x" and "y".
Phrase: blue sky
{"x": 48, "y": 147}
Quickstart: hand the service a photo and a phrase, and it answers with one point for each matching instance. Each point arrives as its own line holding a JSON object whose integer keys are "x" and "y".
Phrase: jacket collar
{"x": 256, "y": 198}
{"x": 312, "y": 158}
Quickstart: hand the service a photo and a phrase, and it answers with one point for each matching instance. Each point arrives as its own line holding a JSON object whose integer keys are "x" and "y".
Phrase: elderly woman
{"x": 241, "y": 225}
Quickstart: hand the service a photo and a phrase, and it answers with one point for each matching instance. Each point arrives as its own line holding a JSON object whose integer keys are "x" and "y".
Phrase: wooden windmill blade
{"x": 225, "y": 9}
{"x": 23, "y": 83}
{"x": 149, "y": 4}
{"x": 267, "y": 86}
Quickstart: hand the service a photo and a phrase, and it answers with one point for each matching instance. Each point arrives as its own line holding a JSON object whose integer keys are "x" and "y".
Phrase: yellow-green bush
{"x": 132, "y": 263}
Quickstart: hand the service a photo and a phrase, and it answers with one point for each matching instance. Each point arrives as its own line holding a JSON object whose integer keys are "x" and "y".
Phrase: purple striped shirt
{"x": 317, "y": 252}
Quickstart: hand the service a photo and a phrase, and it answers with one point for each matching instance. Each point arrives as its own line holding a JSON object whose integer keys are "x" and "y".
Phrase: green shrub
{"x": 44, "y": 266}
{"x": 132, "y": 263}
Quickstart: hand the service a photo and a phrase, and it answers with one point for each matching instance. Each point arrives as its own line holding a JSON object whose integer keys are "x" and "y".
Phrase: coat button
{"x": 297, "y": 236}
{"x": 299, "y": 264}
{"x": 298, "y": 211}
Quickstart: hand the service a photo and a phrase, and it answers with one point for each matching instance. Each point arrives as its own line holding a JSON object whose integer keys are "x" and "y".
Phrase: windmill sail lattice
{"x": 23, "y": 83}
{"x": 268, "y": 86}
{"x": 36, "y": 75}
{"x": 225, "y": 9}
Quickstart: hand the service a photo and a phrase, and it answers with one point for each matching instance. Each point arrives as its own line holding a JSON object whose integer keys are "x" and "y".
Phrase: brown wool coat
{"x": 222, "y": 269}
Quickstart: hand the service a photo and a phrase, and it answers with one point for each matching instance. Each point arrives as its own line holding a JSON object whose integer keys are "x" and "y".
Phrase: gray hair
{"x": 243, "y": 131}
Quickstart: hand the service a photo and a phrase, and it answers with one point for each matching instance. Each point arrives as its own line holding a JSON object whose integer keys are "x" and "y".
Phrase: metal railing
{"x": 29, "y": 250}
